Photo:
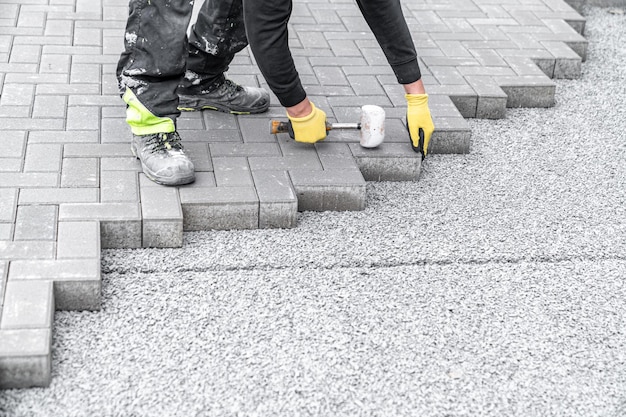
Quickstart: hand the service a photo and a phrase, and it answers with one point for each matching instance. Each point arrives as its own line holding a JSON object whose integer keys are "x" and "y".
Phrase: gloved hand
{"x": 419, "y": 123}
{"x": 309, "y": 129}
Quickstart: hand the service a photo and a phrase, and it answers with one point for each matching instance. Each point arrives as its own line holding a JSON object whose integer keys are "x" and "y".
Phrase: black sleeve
{"x": 387, "y": 22}
{"x": 266, "y": 28}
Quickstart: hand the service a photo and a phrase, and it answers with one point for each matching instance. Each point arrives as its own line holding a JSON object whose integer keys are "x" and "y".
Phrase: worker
{"x": 160, "y": 72}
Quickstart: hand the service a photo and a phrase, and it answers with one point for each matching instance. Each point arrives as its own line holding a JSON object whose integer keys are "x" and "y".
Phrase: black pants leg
{"x": 155, "y": 54}
{"x": 218, "y": 34}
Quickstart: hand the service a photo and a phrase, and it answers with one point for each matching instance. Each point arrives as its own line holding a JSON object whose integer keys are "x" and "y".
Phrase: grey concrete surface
{"x": 494, "y": 286}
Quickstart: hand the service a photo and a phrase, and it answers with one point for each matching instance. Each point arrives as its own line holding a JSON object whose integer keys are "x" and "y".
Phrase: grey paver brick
{"x": 120, "y": 223}
{"x": 388, "y": 162}
{"x": 528, "y": 91}
{"x": 278, "y": 204}
{"x": 284, "y": 163}
{"x": 232, "y": 172}
{"x": 76, "y": 89}
{"x": 13, "y": 143}
{"x": 199, "y": 154}
{"x": 83, "y": 118}
{"x": 4, "y": 272}
{"x": 11, "y": 164}
{"x": 115, "y": 130}
{"x": 57, "y": 28}
{"x": 25, "y": 358}
{"x": 37, "y": 249}
{"x": 120, "y": 164}
{"x": 80, "y": 172}
{"x": 162, "y": 217}
{"x": 330, "y": 75}
{"x": 87, "y": 36}
{"x": 255, "y": 130}
{"x": 335, "y": 156}
{"x": 119, "y": 186}
{"x": 76, "y": 282}
{"x": 6, "y": 231}
{"x": 28, "y": 305}
{"x": 73, "y": 136}
{"x": 12, "y": 123}
{"x": 203, "y": 179}
{"x": 332, "y": 190}
{"x": 36, "y": 222}
{"x": 25, "y": 54}
{"x": 78, "y": 240}
{"x": 491, "y": 98}
{"x": 85, "y": 73}
{"x": 55, "y": 64}
{"x": 43, "y": 158}
{"x": 244, "y": 149}
{"x": 17, "y": 94}
{"x": 8, "y": 204}
{"x": 30, "y": 179}
{"x": 568, "y": 63}
{"x": 49, "y": 106}
{"x": 366, "y": 85}
{"x": 211, "y": 135}
{"x": 58, "y": 195}
{"x": 31, "y": 19}
{"x": 220, "y": 208}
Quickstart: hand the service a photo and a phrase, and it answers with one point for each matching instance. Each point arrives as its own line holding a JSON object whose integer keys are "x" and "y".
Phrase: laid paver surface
{"x": 70, "y": 187}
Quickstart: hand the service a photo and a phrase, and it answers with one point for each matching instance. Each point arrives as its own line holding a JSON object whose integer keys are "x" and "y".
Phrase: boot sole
{"x": 220, "y": 108}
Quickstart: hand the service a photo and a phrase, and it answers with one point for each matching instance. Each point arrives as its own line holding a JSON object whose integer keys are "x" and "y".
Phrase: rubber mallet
{"x": 371, "y": 126}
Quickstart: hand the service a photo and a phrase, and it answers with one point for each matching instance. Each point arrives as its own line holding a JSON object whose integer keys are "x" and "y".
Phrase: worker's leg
{"x": 149, "y": 71}
{"x": 215, "y": 38}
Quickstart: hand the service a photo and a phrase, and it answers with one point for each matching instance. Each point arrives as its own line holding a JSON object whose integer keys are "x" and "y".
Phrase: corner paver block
{"x": 78, "y": 240}
{"x": 333, "y": 190}
{"x": 388, "y": 162}
{"x": 25, "y": 358}
{"x": 120, "y": 223}
{"x": 77, "y": 282}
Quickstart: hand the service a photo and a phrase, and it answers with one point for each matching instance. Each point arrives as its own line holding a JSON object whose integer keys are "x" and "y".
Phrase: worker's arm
{"x": 388, "y": 24}
{"x": 266, "y": 26}
{"x": 386, "y": 20}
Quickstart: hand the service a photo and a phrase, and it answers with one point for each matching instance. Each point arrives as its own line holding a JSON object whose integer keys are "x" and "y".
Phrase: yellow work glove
{"x": 419, "y": 123}
{"x": 309, "y": 129}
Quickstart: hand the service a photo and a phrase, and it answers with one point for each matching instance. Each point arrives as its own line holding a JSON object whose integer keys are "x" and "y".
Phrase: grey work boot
{"x": 163, "y": 159}
{"x": 226, "y": 97}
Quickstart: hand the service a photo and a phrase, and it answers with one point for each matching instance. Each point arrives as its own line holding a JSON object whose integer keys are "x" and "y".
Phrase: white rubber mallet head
{"x": 372, "y": 126}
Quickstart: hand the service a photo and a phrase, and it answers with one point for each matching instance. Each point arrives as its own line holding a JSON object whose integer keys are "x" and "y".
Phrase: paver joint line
{"x": 70, "y": 187}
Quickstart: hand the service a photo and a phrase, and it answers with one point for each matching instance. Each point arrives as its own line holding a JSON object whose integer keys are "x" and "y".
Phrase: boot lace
{"x": 164, "y": 142}
{"x": 230, "y": 88}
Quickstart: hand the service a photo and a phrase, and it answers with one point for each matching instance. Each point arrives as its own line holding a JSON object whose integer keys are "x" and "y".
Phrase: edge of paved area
{"x": 63, "y": 270}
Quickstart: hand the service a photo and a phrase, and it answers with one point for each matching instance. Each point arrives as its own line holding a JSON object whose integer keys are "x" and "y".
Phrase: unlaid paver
{"x": 69, "y": 185}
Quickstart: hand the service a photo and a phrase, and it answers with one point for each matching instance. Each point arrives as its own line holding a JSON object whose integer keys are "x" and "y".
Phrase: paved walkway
{"x": 70, "y": 187}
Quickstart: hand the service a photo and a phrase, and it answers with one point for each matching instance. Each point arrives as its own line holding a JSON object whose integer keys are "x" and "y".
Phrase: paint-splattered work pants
{"x": 158, "y": 56}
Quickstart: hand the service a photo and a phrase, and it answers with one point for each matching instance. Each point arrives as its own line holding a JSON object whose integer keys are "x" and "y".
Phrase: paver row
{"x": 69, "y": 185}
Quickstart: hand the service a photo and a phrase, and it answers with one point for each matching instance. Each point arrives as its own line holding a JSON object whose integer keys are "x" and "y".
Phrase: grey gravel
{"x": 494, "y": 286}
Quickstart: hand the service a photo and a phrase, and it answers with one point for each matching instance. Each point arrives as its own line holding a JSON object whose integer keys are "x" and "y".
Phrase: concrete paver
{"x": 69, "y": 186}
